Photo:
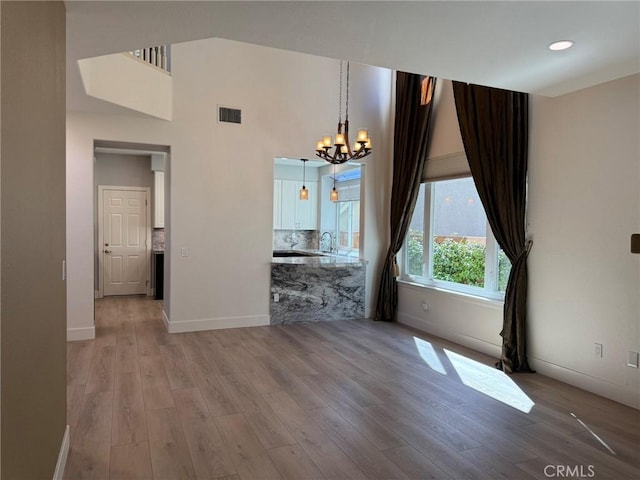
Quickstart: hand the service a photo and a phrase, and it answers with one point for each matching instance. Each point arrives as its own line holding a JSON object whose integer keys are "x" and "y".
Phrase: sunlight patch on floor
{"x": 490, "y": 381}
{"x": 429, "y": 355}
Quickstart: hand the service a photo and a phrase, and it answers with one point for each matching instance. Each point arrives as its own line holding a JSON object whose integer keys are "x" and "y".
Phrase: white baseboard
{"x": 62, "y": 456}
{"x": 215, "y": 323}
{"x": 83, "y": 333}
{"x": 614, "y": 392}
{"x": 460, "y": 338}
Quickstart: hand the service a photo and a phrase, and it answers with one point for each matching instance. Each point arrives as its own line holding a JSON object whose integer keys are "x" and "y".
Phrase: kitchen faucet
{"x": 294, "y": 240}
{"x": 322, "y": 241}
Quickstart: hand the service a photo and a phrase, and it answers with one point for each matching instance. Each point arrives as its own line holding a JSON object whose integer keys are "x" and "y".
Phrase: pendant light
{"x": 304, "y": 192}
{"x": 334, "y": 193}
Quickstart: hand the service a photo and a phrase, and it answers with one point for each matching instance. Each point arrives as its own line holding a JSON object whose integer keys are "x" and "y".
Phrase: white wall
{"x": 585, "y": 203}
{"x": 33, "y": 432}
{"x": 288, "y": 100}
{"x": 584, "y": 285}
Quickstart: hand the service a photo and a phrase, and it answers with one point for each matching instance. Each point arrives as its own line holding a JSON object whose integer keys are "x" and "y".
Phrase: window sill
{"x": 485, "y": 301}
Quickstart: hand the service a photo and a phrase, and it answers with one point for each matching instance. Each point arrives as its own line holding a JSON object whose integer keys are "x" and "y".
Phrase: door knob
{"x": 107, "y": 251}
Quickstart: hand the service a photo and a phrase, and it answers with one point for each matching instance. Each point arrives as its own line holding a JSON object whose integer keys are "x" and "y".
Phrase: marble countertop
{"x": 323, "y": 260}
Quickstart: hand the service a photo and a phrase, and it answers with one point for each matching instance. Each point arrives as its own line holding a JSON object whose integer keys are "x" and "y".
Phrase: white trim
{"x": 612, "y": 391}
{"x": 483, "y": 301}
{"x": 96, "y": 294}
{"x": 148, "y": 241}
{"x": 215, "y": 323}
{"x": 598, "y": 386}
{"x": 62, "y": 456}
{"x": 82, "y": 333}
{"x": 455, "y": 288}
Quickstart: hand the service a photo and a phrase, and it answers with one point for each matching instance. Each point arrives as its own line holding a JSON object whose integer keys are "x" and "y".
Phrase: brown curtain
{"x": 494, "y": 128}
{"x": 414, "y": 94}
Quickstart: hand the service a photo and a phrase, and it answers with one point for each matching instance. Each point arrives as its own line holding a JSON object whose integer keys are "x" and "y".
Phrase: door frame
{"x": 101, "y": 189}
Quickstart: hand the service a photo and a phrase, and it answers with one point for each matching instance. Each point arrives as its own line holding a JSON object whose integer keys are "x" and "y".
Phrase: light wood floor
{"x": 336, "y": 400}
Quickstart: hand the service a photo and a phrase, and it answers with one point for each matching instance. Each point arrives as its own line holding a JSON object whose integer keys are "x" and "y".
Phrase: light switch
{"x": 632, "y": 359}
{"x": 184, "y": 252}
{"x": 597, "y": 350}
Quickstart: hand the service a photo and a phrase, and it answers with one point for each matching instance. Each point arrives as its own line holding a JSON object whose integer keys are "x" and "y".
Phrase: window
{"x": 349, "y": 227}
{"x": 460, "y": 252}
{"x": 348, "y": 212}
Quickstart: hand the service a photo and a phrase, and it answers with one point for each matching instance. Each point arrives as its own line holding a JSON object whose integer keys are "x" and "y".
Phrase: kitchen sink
{"x": 291, "y": 253}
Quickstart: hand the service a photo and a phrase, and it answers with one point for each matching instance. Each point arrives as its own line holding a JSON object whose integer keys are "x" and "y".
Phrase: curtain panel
{"x": 494, "y": 128}
{"x": 414, "y": 102}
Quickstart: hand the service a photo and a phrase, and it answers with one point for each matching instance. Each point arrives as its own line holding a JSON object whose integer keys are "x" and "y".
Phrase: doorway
{"x": 137, "y": 166}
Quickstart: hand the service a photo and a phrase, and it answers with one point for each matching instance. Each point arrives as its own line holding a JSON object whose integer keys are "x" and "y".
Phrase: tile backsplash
{"x": 157, "y": 239}
{"x": 303, "y": 240}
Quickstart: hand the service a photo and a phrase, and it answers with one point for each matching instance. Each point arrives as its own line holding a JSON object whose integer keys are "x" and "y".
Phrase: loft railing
{"x": 159, "y": 56}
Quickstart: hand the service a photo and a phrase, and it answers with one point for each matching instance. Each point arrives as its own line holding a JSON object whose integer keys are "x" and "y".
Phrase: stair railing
{"x": 159, "y": 56}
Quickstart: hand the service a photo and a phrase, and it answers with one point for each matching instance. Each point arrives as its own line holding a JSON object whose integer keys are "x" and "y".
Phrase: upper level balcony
{"x": 139, "y": 80}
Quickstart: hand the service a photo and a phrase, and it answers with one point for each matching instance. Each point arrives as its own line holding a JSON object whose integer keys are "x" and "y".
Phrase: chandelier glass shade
{"x": 338, "y": 150}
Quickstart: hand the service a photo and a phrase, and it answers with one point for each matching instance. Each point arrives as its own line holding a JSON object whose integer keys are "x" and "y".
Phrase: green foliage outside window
{"x": 455, "y": 261}
{"x": 415, "y": 247}
{"x": 459, "y": 262}
{"x": 504, "y": 268}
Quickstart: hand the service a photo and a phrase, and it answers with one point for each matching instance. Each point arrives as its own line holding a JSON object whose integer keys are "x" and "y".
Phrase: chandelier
{"x": 342, "y": 151}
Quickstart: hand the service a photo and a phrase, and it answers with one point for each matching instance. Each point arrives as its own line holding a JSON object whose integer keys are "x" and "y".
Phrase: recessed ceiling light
{"x": 561, "y": 45}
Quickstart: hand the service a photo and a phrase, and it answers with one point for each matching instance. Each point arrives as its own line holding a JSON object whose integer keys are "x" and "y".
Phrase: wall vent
{"x": 229, "y": 115}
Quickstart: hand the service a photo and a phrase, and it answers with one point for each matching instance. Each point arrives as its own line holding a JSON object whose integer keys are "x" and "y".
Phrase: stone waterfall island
{"x": 311, "y": 286}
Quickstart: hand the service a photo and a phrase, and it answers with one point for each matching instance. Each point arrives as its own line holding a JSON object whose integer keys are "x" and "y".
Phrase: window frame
{"x": 491, "y": 271}
{"x": 349, "y": 251}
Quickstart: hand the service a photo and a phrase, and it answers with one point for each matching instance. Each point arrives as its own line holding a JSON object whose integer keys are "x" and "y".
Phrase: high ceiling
{"x": 500, "y": 44}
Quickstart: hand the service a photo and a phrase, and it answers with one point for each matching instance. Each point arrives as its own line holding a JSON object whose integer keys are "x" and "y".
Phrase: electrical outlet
{"x": 633, "y": 359}
{"x": 276, "y": 297}
{"x": 425, "y": 306}
{"x": 597, "y": 349}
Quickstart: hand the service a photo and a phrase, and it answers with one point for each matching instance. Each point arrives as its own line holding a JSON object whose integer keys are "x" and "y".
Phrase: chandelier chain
{"x": 346, "y": 114}
{"x": 340, "y": 96}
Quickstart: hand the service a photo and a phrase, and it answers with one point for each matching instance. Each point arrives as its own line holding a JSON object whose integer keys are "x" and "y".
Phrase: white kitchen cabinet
{"x": 307, "y": 210}
{"x": 293, "y": 213}
{"x": 158, "y": 204}
{"x": 277, "y": 204}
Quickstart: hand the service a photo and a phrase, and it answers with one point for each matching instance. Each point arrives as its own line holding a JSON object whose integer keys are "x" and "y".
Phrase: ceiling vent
{"x": 229, "y": 115}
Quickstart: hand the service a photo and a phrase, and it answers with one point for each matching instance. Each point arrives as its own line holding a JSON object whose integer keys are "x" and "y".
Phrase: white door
{"x": 125, "y": 253}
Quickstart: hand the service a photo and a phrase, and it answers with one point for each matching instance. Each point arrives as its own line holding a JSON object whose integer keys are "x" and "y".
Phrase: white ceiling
{"x": 500, "y": 44}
